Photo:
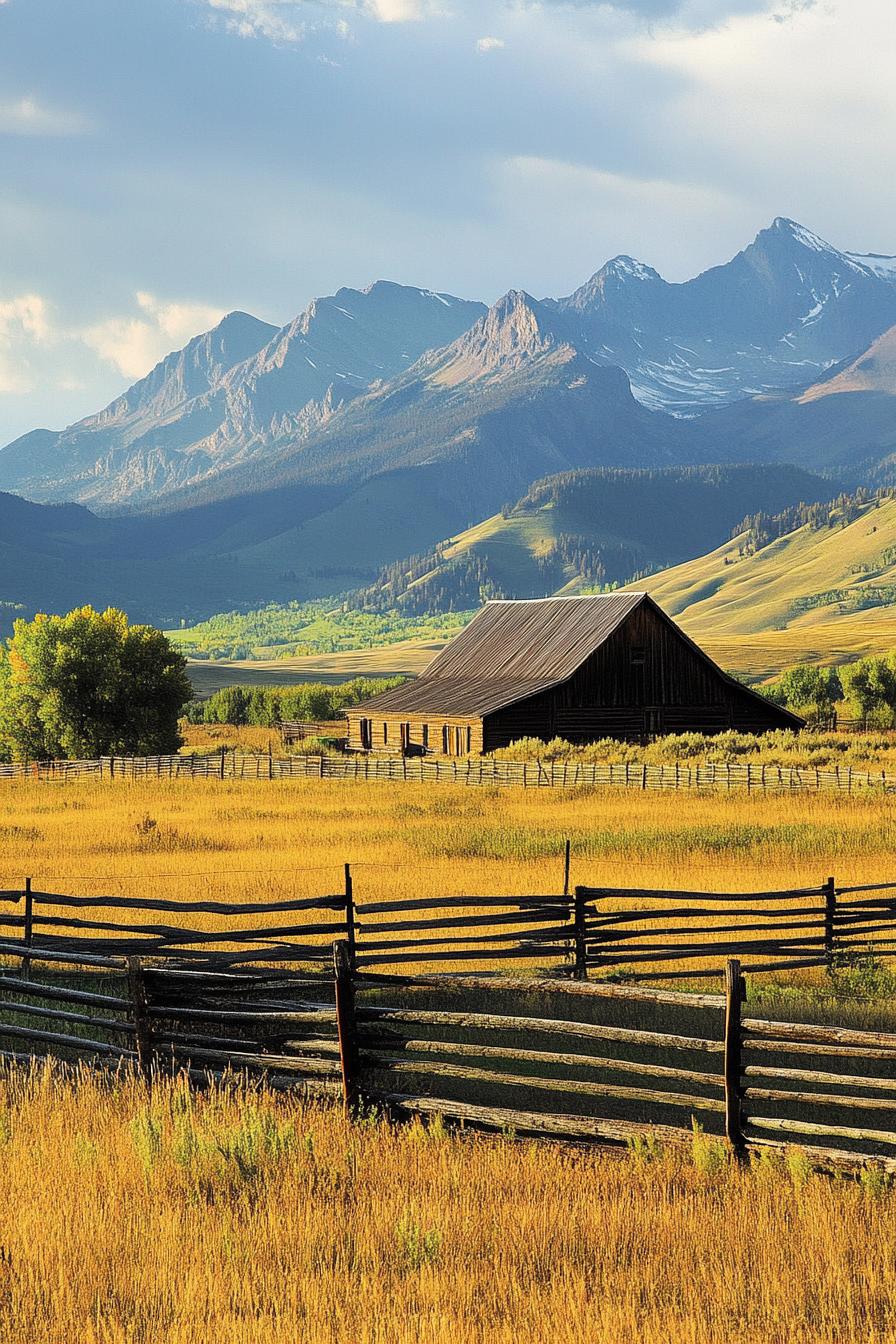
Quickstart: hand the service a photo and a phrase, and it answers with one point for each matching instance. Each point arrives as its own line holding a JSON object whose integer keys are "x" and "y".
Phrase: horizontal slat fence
{"x": 613, "y": 931}
{"x": 560, "y": 1059}
{"x": 725, "y": 776}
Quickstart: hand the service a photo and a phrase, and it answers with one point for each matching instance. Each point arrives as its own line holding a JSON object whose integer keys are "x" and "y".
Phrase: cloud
{"x": 136, "y": 344}
{"x": 261, "y": 18}
{"x": 489, "y": 43}
{"x": 24, "y": 322}
{"x": 27, "y": 116}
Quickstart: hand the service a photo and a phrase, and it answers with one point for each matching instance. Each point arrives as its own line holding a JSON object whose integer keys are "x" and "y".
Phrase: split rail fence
{"x": 609, "y": 931}
{"x": 565, "y": 1060}
{"x": 753, "y": 778}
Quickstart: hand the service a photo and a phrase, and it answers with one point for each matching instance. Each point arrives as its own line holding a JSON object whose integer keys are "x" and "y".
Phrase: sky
{"x": 166, "y": 161}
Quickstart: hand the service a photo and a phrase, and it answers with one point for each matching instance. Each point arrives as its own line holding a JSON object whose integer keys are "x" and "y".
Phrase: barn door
{"x": 653, "y": 722}
{"x": 366, "y": 734}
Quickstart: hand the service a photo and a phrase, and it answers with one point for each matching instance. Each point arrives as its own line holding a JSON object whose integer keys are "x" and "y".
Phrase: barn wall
{"x": 646, "y": 679}
{"x": 387, "y": 734}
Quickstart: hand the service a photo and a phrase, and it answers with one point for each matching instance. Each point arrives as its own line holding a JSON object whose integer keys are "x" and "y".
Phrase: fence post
{"x": 141, "y": 1018}
{"x": 581, "y": 964}
{"x": 346, "y": 1025}
{"x": 29, "y": 928}
{"x": 734, "y": 996}
{"x": 830, "y": 910}
{"x": 223, "y": 750}
{"x": 350, "y": 915}
{"x": 566, "y": 854}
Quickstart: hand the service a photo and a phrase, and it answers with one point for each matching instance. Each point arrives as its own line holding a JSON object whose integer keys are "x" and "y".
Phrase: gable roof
{"x": 516, "y": 648}
{"x": 510, "y": 650}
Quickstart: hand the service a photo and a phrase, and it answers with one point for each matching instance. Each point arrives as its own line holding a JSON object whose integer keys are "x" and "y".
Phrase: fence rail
{"x": 474, "y": 771}
{"x": 630, "y": 932}
{"x": 479, "y": 1051}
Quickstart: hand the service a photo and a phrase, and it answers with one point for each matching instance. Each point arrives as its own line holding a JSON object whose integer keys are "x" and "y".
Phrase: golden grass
{"x": 192, "y": 1217}
{"x": 259, "y": 841}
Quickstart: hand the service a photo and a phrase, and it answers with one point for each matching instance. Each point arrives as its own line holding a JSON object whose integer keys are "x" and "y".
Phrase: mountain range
{"x": 265, "y": 464}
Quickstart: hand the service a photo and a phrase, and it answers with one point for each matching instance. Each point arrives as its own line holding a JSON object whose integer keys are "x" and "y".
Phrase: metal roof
{"x": 510, "y": 650}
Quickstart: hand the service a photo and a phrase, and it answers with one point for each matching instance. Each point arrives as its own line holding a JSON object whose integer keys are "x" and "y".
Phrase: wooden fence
{"x": 743, "y": 776}
{"x": 636, "y": 933}
{"x": 571, "y": 1061}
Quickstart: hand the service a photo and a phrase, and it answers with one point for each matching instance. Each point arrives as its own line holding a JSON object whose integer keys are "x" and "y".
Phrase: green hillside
{"x": 579, "y": 531}
{"x": 823, "y": 591}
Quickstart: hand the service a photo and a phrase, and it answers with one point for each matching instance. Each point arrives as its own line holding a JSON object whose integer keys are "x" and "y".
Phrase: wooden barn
{"x": 580, "y": 668}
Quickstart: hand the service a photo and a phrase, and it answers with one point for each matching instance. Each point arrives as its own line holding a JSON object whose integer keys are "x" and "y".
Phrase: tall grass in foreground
{"x": 241, "y": 1217}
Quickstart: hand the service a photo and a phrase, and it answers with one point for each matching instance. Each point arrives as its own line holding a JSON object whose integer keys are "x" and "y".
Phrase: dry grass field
{"x": 287, "y": 838}
{"x": 190, "y": 1217}
{"x": 247, "y": 1217}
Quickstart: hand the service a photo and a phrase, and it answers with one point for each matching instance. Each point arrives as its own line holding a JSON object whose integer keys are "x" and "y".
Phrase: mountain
{"x": 816, "y": 584}
{"x": 579, "y": 529}
{"x": 843, "y": 423}
{"x": 777, "y": 315}
{"x": 231, "y": 394}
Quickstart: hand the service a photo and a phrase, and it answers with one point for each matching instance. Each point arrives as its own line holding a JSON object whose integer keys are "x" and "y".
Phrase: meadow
{"x": 219, "y": 1215}
{"x": 236, "y": 1214}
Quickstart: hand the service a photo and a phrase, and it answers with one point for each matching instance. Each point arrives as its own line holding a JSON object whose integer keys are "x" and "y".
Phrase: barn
{"x": 580, "y": 668}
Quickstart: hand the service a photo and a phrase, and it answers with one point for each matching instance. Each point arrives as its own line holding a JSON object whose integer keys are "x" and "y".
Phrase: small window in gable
{"x": 639, "y": 655}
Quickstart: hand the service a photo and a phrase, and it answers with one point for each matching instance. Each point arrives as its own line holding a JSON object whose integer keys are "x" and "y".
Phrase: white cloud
{"x": 135, "y": 344}
{"x": 261, "y": 18}
{"x": 489, "y": 43}
{"x": 24, "y": 322}
{"x": 28, "y": 116}
{"x": 395, "y": 11}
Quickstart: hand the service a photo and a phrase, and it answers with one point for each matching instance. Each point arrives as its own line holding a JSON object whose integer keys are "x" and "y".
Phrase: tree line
{"x": 866, "y": 689}
{"x": 265, "y": 706}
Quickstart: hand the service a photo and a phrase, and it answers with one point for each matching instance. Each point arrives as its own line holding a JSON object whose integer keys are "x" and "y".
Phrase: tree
{"x": 869, "y": 686}
{"x": 89, "y": 684}
{"x": 811, "y": 690}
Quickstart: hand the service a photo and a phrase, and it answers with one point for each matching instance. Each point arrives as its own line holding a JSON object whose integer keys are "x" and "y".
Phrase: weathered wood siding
{"x": 421, "y": 733}
{"x": 645, "y": 679}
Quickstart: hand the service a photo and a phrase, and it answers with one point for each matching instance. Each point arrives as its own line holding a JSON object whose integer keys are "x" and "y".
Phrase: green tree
{"x": 869, "y": 686}
{"x": 809, "y": 690}
{"x": 89, "y": 684}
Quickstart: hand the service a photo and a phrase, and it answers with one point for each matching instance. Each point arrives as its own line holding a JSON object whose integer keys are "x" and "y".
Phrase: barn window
{"x": 446, "y": 740}
{"x": 639, "y": 655}
{"x": 366, "y": 734}
{"x": 426, "y": 734}
{"x": 385, "y": 733}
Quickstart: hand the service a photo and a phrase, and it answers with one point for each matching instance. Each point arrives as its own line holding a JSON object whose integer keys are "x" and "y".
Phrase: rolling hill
{"x": 580, "y": 529}
{"x": 824, "y": 591}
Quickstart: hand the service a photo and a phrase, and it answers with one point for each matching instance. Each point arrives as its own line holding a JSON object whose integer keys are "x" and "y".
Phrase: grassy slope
{"x": 745, "y": 610}
{"x": 407, "y": 658}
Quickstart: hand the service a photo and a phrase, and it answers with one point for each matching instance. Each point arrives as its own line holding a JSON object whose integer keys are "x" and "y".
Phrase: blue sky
{"x": 165, "y": 161}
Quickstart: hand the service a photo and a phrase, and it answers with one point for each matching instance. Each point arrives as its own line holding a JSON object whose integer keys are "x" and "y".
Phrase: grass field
{"x": 249, "y": 1218}
{"x": 393, "y": 660}
{"x": 242, "y": 840}
{"x": 186, "y": 1217}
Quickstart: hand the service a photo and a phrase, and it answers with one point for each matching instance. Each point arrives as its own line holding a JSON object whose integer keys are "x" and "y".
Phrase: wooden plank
{"x": 82, "y": 1043}
{"x": 457, "y": 922}
{"x": 734, "y": 997}
{"x": 819, "y": 1076}
{"x": 495, "y": 954}
{"x": 549, "y": 1026}
{"x": 310, "y": 1014}
{"x": 64, "y": 1015}
{"x": 698, "y": 912}
{"x": 819, "y": 1099}
{"x": 450, "y": 902}
{"x": 191, "y": 907}
{"x": 833, "y": 1131}
{"x": 607, "y": 938}
{"x": 575, "y": 1127}
{"x": 565, "y": 988}
{"x": 641, "y": 894}
{"x": 482, "y": 939}
{"x": 546, "y": 1058}
{"x": 61, "y": 992}
{"x": 346, "y": 1027}
{"x": 808, "y": 1031}
{"x": 64, "y": 957}
{"x": 788, "y": 1047}
{"x": 401, "y": 1065}
{"x": 253, "y": 1060}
